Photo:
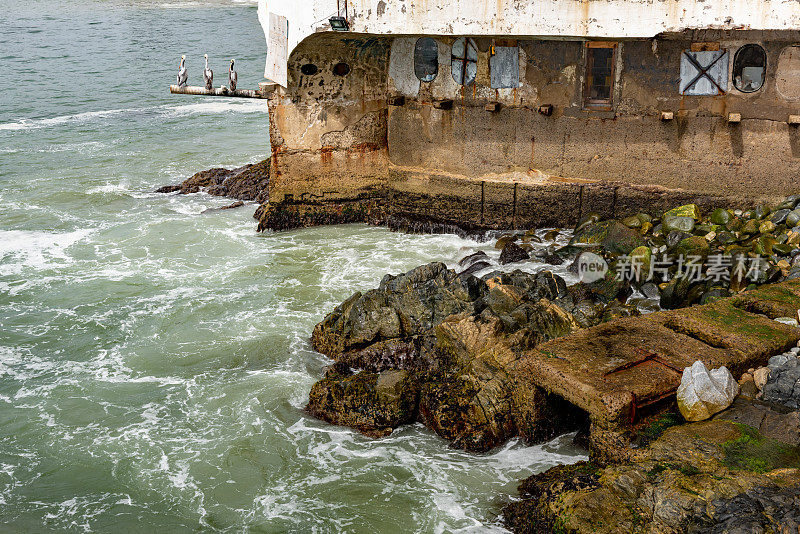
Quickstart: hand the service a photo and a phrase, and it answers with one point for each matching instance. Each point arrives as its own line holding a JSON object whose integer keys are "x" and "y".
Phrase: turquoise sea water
{"x": 154, "y": 360}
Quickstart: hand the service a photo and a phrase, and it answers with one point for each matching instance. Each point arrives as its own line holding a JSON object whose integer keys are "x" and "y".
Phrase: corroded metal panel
{"x": 704, "y": 73}
{"x": 505, "y": 67}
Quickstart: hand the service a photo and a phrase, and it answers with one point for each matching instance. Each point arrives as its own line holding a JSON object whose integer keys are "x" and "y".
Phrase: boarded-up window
{"x": 704, "y": 72}
{"x": 464, "y": 61}
{"x": 426, "y": 59}
{"x": 504, "y": 65}
{"x": 749, "y": 68}
{"x": 599, "y": 89}
{"x": 787, "y": 77}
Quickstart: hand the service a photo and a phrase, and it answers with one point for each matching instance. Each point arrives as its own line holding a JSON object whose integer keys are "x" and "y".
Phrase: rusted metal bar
{"x": 220, "y": 91}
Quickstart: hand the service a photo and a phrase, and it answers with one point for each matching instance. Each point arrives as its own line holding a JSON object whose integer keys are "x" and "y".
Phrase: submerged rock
{"x": 513, "y": 253}
{"x": 612, "y": 235}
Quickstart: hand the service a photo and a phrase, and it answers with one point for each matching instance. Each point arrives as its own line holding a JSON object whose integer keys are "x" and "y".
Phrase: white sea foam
{"x": 37, "y": 250}
{"x": 122, "y": 187}
{"x": 215, "y": 107}
{"x": 164, "y": 111}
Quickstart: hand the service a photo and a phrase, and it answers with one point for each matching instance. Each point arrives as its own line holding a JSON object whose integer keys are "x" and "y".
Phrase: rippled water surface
{"x": 154, "y": 359}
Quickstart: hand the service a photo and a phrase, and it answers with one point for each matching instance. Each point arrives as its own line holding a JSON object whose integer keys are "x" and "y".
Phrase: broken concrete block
{"x": 703, "y": 393}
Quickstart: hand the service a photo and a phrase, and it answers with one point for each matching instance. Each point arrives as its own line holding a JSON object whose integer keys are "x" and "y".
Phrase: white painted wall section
{"x": 536, "y": 18}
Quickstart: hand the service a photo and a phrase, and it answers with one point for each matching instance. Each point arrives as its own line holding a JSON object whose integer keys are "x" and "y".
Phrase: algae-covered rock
{"x": 695, "y": 246}
{"x": 673, "y": 222}
{"x": 793, "y": 218}
{"x": 750, "y": 227}
{"x": 688, "y": 210}
{"x": 703, "y": 393}
{"x": 372, "y": 403}
{"x": 612, "y": 235}
{"x": 505, "y": 240}
{"x": 642, "y": 259}
{"x": 721, "y": 216}
{"x": 761, "y": 211}
{"x": 779, "y": 217}
{"x": 632, "y": 222}
{"x": 715, "y": 476}
{"x": 675, "y": 293}
{"x": 471, "y": 402}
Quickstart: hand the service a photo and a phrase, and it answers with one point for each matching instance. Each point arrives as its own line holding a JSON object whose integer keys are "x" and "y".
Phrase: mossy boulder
{"x": 766, "y": 227}
{"x": 695, "y": 246}
{"x": 642, "y": 259}
{"x": 688, "y": 210}
{"x": 750, "y": 227}
{"x": 721, "y": 216}
{"x": 612, "y": 235}
{"x": 674, "y": 222}
{"x": 674, "y": 294}
{"x": 793, "y": 218}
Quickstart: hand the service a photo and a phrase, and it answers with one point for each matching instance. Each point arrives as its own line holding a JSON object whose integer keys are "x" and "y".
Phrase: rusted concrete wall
{"x": 328, "y": 131}
{"x": 436, "y": 153}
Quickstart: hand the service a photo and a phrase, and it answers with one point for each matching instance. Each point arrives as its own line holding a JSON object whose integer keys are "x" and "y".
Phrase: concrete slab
{"x": 618, "y": 370}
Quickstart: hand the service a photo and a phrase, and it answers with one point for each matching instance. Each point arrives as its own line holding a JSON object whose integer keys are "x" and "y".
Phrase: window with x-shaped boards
{"x": 704, "y": 71}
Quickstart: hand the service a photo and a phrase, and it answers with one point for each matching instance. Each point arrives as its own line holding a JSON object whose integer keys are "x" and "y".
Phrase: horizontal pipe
{"x": 221, "y": 91}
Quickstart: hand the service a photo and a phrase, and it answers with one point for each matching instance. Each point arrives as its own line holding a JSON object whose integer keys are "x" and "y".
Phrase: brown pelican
{"x": 183, "y": 75}
{"x": 208, "y": 75}
{"x": 232, "y": 77}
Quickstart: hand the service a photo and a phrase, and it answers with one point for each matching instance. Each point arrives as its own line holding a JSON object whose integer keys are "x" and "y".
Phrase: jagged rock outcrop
{"x": 247, "y": 183}
{"x": 404, "y": 306}
{"x": 456, "y": 336}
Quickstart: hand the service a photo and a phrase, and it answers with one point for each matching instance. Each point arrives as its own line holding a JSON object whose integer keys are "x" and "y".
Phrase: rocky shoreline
{"x": 445, "y": 347}
{"x": 452, "y": 348}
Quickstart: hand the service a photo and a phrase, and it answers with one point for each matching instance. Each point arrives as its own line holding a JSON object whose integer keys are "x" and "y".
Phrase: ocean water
{"x": 154, "y": 359}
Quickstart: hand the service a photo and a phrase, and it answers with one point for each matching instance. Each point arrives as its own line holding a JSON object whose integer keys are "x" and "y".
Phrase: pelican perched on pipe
{"x": 183, "y": 74}
{"x": 208, "y": 75}
{"x": 232, "y": 77}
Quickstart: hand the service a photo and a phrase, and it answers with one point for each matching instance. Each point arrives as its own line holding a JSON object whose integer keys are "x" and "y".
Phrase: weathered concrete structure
{"x": 513, "y": 114}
